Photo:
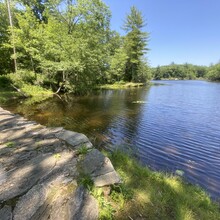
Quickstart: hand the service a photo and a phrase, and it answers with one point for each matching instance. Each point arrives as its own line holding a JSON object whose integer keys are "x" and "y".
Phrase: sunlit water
{"x": 175, "y": 126}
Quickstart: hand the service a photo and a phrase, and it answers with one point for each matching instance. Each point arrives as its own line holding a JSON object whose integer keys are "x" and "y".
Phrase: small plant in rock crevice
{"x": 83, "y": 150}
{"x": 10, "y": 144}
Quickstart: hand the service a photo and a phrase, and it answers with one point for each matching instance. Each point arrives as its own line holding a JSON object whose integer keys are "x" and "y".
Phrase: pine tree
{"x": 135, "y": 44}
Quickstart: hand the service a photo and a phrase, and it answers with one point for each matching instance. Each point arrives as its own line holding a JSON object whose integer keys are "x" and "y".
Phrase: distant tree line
{"x": 69, "y": 44}
{"x": 186, "y": 71}
{"x": 179, "y": 71}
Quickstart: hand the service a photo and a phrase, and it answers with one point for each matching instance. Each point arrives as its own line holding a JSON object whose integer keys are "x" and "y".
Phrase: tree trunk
{"x": 8, "y": 2}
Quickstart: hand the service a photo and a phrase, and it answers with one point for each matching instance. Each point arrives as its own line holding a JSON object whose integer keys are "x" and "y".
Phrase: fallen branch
{"x": 18, "y": 90}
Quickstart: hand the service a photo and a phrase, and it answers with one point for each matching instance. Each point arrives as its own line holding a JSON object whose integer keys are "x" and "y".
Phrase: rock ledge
{"x": 39, "y": 169}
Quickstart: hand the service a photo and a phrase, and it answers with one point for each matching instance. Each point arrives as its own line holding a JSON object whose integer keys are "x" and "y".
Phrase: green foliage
{"x": 86, "y": 181}
{"x": 5, "y": 53}
{"x": 214, "y": 73}
{"x": 106, "y": 211}
{"x": 121, "y": 193}
{"x": 135, "y": 43}
{"x": 83, "y": 150}
{"x": 21, "y": 77}
{"x": 177, "y": 71}
{"x": 10, "y": 144}
{"x": 28, "y": 82}
{"x": 5, "y": 82}
{"x": 154, "y": 195}
{"x": 34, "y": 90}
{"x": 5, "y": 96}
{"x": 70, "y": 44}
{"x": 134, "y": 20}
{"x": 121, "y": 85}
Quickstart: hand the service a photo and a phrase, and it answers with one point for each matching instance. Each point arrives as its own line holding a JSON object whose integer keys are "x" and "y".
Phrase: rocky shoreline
{"x": 40, "y": 169}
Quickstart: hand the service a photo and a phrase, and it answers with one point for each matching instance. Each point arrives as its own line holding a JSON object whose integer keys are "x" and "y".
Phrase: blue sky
{"x": 180, "y": 30}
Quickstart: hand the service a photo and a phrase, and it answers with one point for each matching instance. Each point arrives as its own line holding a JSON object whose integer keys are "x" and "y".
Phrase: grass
{"x": 36, "y": 94}
{"x": 121, "y": 85}
{"x": 34, "y": 90}
{"x": 24, "y": 83}
{"x": 83, "y": 150}
{"x": 145, "y": 194}
{"x": 7, "y": 95}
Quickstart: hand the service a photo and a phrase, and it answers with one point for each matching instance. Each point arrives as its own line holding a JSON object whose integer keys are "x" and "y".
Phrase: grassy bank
{"x": 8, "y": 95}
{"x": 145, "y": 194}
{"x": 22, "y": 86}
{"x": 122, "y": 85}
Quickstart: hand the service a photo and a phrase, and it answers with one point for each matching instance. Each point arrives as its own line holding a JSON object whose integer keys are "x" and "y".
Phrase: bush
{"x": 4, "y": 82}
{"x": 22, "y": 77}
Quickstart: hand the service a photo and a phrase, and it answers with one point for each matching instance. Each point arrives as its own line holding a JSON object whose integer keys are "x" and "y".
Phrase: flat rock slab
{"x": 74, "y": 139}
{"x": 39, "y": 169}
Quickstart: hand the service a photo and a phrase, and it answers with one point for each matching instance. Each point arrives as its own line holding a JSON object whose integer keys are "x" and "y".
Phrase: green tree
{"x": 213, "y": 73}
{"x": 71, "y": 47}
{"x": 179, "y": 71}
{"x": 135, "y": 43}
{"x": 118, "y": 65}
{"x": 37, "y": 7}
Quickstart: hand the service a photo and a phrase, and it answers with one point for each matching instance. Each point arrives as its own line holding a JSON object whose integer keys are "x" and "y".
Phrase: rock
{"x": 39, "y": 171}
{"x": 74, "y": 139}
{"x": 83, "y": 206}
{"x": 29, "y": 204}
{"x": 99, "y": 168}
{"x": 56, "y": 202}
{"x": 18, "y": 180}
{"x": 6, "y": 213}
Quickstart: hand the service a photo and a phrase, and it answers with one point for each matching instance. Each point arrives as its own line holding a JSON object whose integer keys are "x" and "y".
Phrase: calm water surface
{"x": 175, "y": 126}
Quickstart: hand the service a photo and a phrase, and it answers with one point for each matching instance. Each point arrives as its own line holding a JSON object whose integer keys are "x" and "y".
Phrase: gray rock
{"x": 29, "y": 204}
{"x": 18, "y": 180}
{"x": 83, "y": 206}
{"x": 39, "y": 172}
{"x": 52, "y": 201}
{"x": 99, "y": 168}
{"x": 74, "y": 139}
{"x": 6, "y": 213}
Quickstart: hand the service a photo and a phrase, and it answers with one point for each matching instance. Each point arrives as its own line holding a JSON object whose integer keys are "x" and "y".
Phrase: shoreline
{"x": 38, "y": 165}
{"x": 139, "y": 193}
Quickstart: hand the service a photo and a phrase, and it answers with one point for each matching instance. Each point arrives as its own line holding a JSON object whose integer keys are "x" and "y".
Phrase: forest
{"x": 186, "y": 71}
{"x": 177, "y": 71}
{"x": 69, "y": 46}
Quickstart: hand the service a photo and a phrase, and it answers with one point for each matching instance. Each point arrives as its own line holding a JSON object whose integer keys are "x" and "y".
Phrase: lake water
{"x": 174, "y": 126}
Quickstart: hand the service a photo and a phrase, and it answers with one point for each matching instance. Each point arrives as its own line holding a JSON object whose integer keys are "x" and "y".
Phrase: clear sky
{"x": 180, "y": 30}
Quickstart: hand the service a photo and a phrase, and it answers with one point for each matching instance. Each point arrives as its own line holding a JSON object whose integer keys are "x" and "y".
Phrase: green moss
{"x": 146, "y": 194}
{"x": 10, "y": 144}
